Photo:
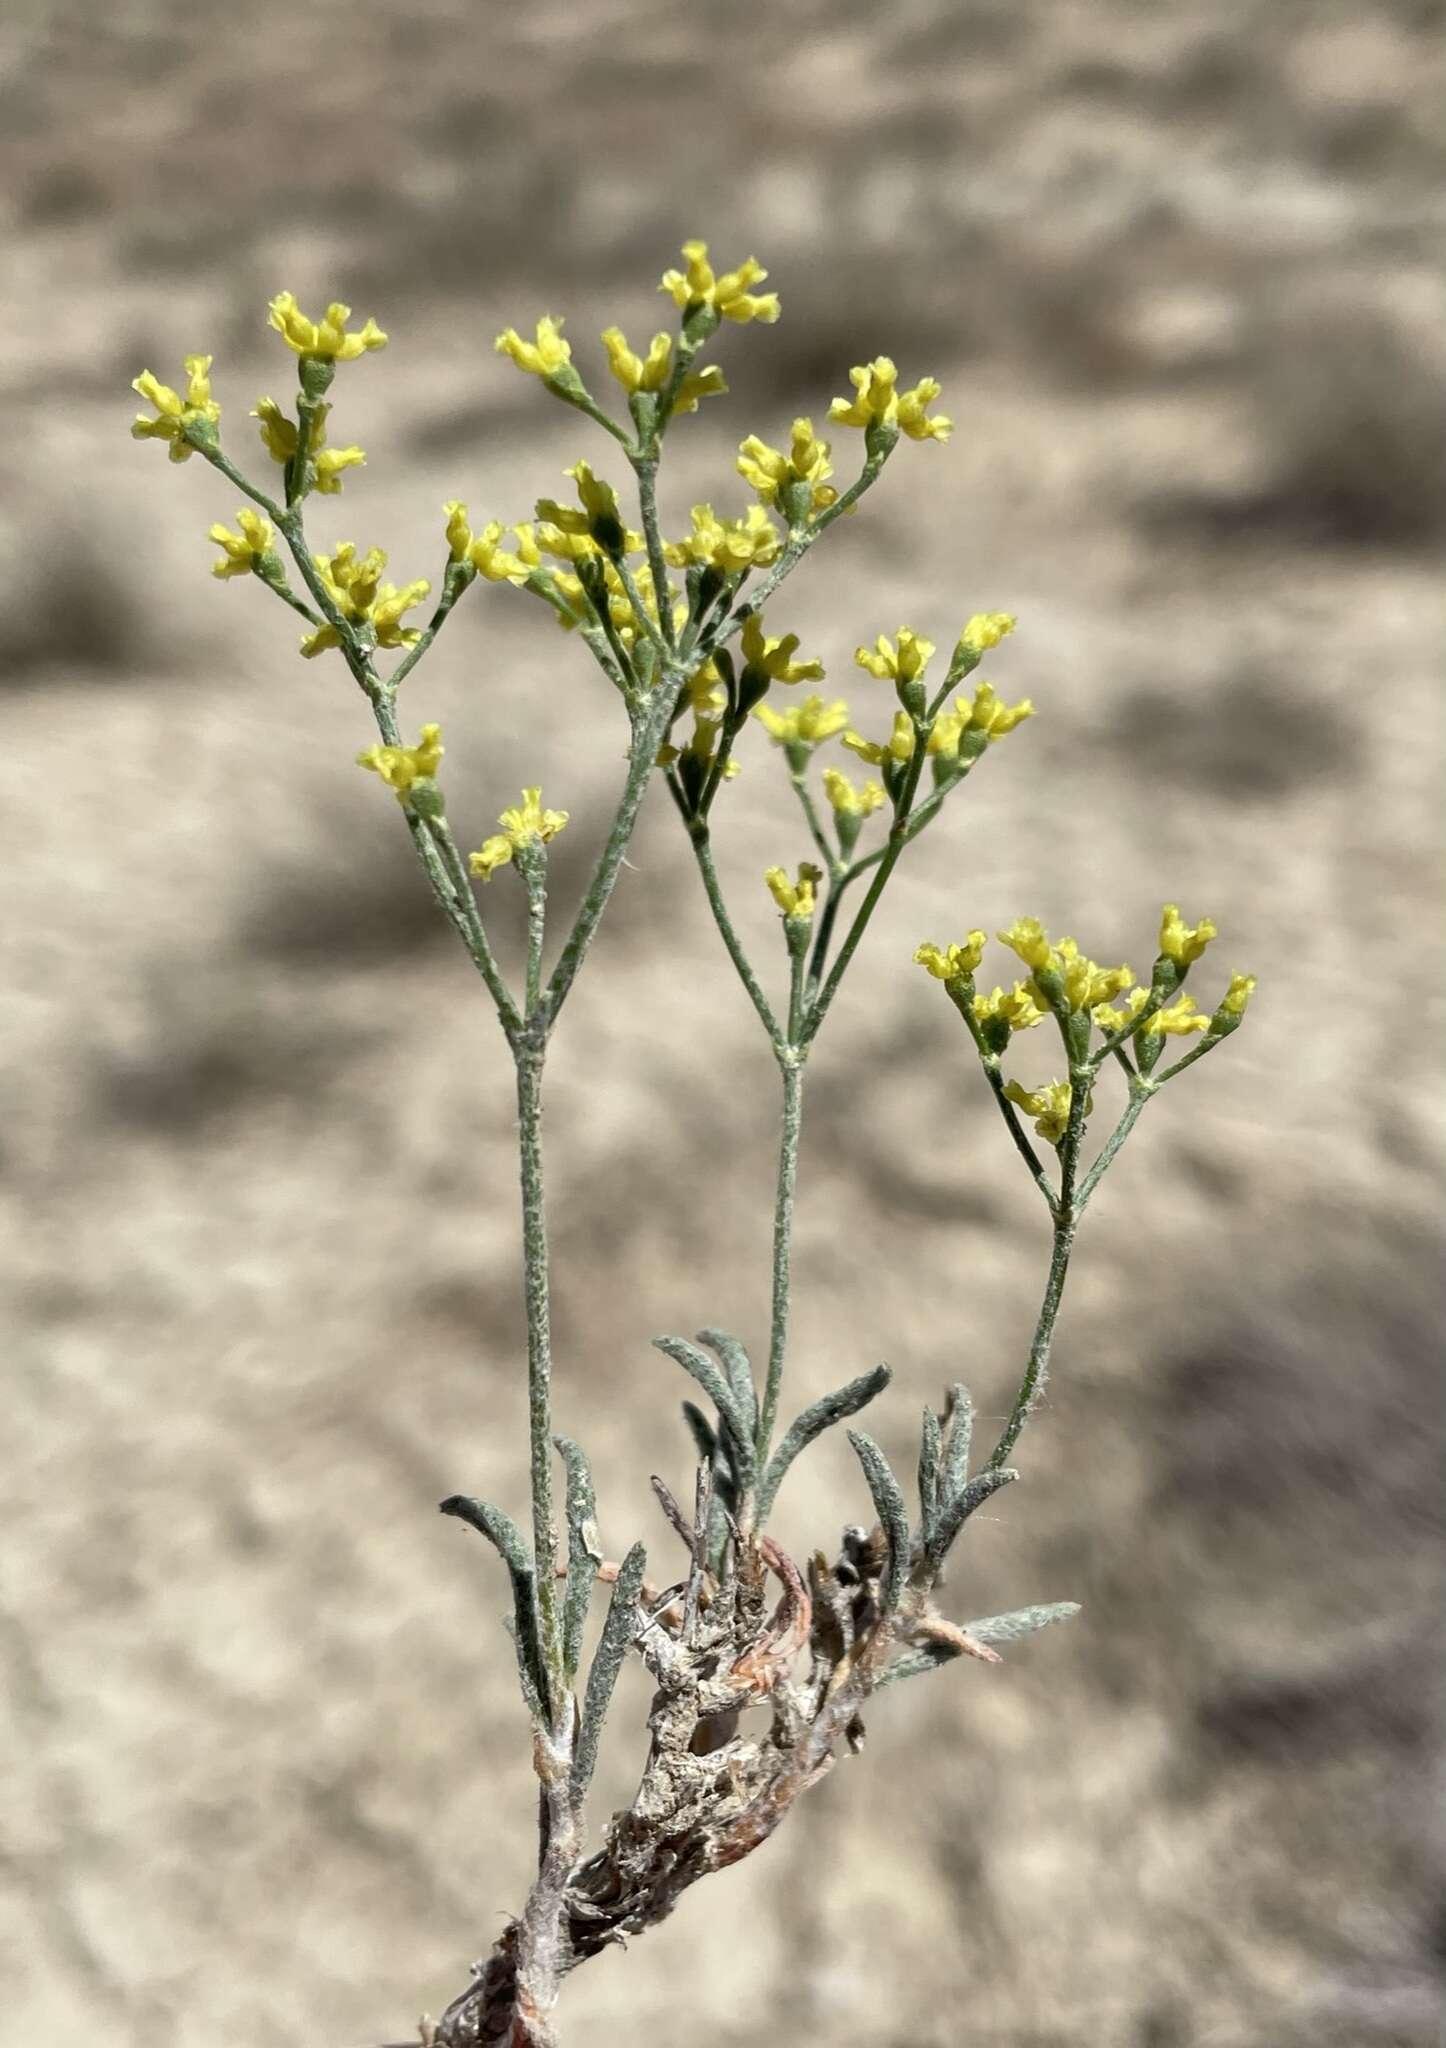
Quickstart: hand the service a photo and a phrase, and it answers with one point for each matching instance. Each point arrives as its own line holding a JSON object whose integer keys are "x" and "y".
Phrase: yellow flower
{"x": 1237, "y": 996}
{"x": 1072, "y": 975}
{"x": 279, "y": 436}
{"x": 400, "y": 767}
{"x": 899, "y": 746}
{"x": 794, "y": 899}
{"x": 729, "y": 297}
{"x": 241, "y": 551}
{"x": 354, "y": 584}
{"x": 481, "y": 550}
{"x": 1015, "y": 1008}
{"x": 901, "y": 664}
{"x": 705, "y": 383}
{"x": 807, "y": 723}
{"x": 1176, "y": 1019}
{"x": 524, "y": 824}
{"x": 987, "y": 714}
{"x": 1049, "y": 1105}
{"x": 957, "y": 963}
{"x": 878, "y": 403}
{"x": 1181, "y": 942}
{"x": 638, "y": 373}
{"x": 544, "y": 357}
{"x": 847, "y": 801}
{"x": 986, "y": 630}
{"x": 769, "y": 470}
{"x": 774, "y": 658}
{"x": 596, "y": 518}
{"x": 751, "y": 542}
{"x": 1111, "y": 1020}
{"x": 1028, "y": 938}
{"x": 326, "y": 337}
{"x": 174, "y": 414}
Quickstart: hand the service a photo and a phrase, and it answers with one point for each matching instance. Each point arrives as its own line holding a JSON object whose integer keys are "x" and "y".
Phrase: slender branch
{"x": 1036, "y": 1371}
{"x": 1140, "y": 1093}
{"x": 646, "y": 469}
{"x": 228, "y": 469}
{"x": 832, "y": 866}
{"x": 534, "y": 874}
{"x": 703, "y": 852}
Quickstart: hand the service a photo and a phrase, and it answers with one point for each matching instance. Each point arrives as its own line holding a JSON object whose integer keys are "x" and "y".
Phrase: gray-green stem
{"x": 790, "y": 1066}
{"x": 530, "y": 1055}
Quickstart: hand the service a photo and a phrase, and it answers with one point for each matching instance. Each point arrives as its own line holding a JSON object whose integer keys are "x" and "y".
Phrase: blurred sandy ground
{"x": 266, "y": 1781}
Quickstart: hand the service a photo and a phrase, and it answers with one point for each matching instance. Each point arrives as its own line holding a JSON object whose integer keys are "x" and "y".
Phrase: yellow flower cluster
{"x": 174, "y": 414}
{"x": 877, "y": 402}
{"x": 957, "y": 964}
{"x": 241, "y": 551}
{"x": 898, "y": 747}
{"x": 771, "y": 472}
{"x": 985, "y": 715}
{"x": 729, "y": 297}
{"x": 847, "y": 801}
{"x": 326, "y": 338}
{"x": 1008, "y": 1009}
{"x": 400, "y": 767}
{"x": 1181, "y": 942}
{"x": 524, "y": 824}
{"x": 1237, "y": 996}
{"x": 355, "y": 587}
{"x": 794, "y": 899}
{"x": 730, "y": 546}
{"x": 483, "y": 552}
{"x": 595, "y": 519}
{"x": 1062, "y": 974}
{"x": 1175, "y": 1019}
{"x": 651, "y": 372}
{"x": 544, "y": 357}
{"x": 803, "y": 724}
{"x": 985, "y": 630}
{"x": 900, "y": 663}
{"x": 279, "y": 436}
{"x": 1050, "y": 1106}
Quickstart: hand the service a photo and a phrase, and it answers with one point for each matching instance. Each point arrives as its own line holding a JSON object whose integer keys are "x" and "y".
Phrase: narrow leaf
{"x": 1023, "y": 1621}
{"x": 618, "y": 1632}
{"x": 703, "y": 1433}
{"x": 958, "y": 1429}
{"x": 931, "y": 1443}
{"x": 813, "y": 1422}
{"x": 716, "y": 1385}
{"x": 889, "y": 1502}
{"x": 584, "y": 1552}
{"x": 506, "y": 1538}
{"x": 954, "y": 1514}
{"x": 739, "y": 1368}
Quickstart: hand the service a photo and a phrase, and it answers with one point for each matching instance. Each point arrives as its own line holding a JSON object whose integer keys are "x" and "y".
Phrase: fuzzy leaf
{"x": 953, "y": 1514}
{"x": 584, "y": 1551}
{"x": 958, "y": 1429}
{"x": 739, "y": 1368}
{"x": 931, "y": 1444}
{"x": 889, "y": 1502}
{"x": 618, "y": 1632}
{"x": 717, "y": 1386}
{"x": 826, "y": 1411}
{"x": 506, "y": 1538}
{"x": 1023, "y": 1621}
{"x": 702, "y": 1431}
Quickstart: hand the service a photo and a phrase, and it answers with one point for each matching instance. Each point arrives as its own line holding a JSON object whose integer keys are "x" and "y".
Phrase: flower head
{"x": 176, "y": 416}
{"x": 326, "y": 338}
{"x": 900, "y": 664}
{"x": 1063, "y": 976}
{"x": 241, "y": 552}
{"x": 877, "y": 402}
{"x": 1237, "y": 996}
{"x": 957, "y": 963}
{"x": 849, "y": 802}
{"x": 279, "y": 437}
{"x": 355, "y": 587}
{"x": 770, "y": 470}
{"x": 400, "y": 767}
{"x": 596, "y": 517}
{"x": 1182, "y": 942}
{"x": 899, "y": 746}
{"x": 1050, "y": 1106}
{"x": 794, "y": 899}
{"x": 1014, "y": 1009}
{"x": 985, "y": 630}
{"x": 482, "y": 551}
{"x": 546, "y": 357}
{"x": 638, "y": 373}
{"x": 728, "y": 297}
{"x": 773, "y": 659}
{"x": 730, "y": 545}
{"x": 803, "y": 724}
{"x": 525, "y": 824}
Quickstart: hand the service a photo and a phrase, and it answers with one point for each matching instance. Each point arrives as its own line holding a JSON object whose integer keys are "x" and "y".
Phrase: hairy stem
{"x": 790, "y": 1066}
{"x": 531, "y": 1055}
{"x": 707, "y": 868}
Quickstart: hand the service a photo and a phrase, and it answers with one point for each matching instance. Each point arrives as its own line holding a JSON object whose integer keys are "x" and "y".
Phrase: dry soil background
{"x": 265, "y": 1779}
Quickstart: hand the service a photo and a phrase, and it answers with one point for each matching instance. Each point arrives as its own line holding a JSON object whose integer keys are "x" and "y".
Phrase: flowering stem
{"x": 1036, "y": 1371}
{"x": 530, "y": 1053}
{"x": 790, "y": 1065}
{"x": 646, "y": 469}
{"x": 450, "y": 593}
{"x": 832, "y": 865}
{"x": 534, "y": 873}
{"x": 1140, "y": 1093}
{"x": 229, "y": 470}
